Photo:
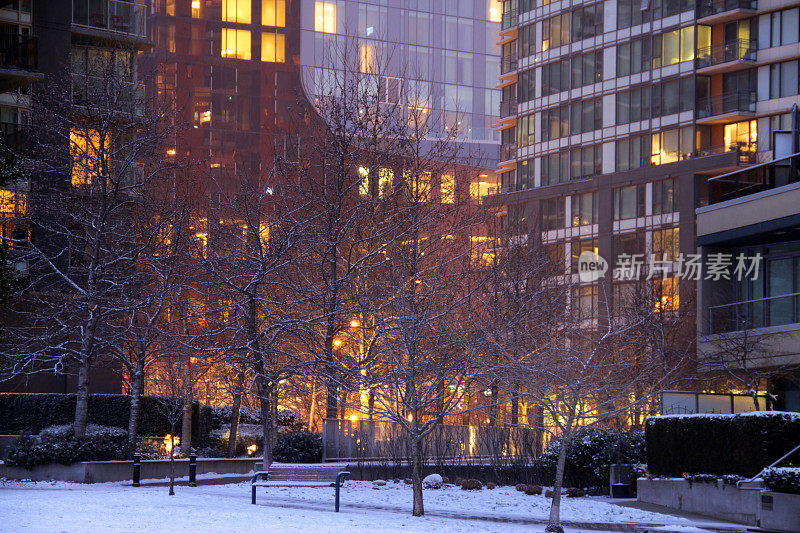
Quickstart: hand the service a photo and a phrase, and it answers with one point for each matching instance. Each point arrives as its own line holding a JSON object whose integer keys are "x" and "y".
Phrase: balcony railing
{"x": 707, "y": 8}
{"x": 110, "y": 15}
{"x": 509, "y": 19}
{"x": 761, "y": 313}
{"x": 15, "y": 136}
{"x": 508, "y": 151}
{"x": 737, "y": 50}
{"x": 756, "y": 178}
{"x": 508, "y": 64}
{"x": 508, "y": 107}
{"x": 18, "y": 51}
{"x": 739, "y": 101}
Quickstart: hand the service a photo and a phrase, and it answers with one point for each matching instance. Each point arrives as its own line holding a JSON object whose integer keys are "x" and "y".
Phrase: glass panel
{"x": 779, "y": 281}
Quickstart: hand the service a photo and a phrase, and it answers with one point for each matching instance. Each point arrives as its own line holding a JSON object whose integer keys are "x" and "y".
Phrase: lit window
{"x": 325, "y": 17}
{"x": 422, "y": 187}
{"x": 235, "y": 43}
{"x": 363, "y": 186}
{"x": 196, "y": 9}
{"x": 667, "y": 295}
{"x": 13, "y": 205}
{"x": 273, "y": 13}
{"x": 367, "y": 58}
{"x": 479, "y": 189}
{"x": 385, "y": 177}
{"x": 495, "y": 11}
{"x": 263, "y": 232}
{"x": 273, "y": 47}
{"x": 480, "y": 252}
{"x": 86, "y": 155}
{"x": 448, "y": 189}
{"x": 236, "y": 11}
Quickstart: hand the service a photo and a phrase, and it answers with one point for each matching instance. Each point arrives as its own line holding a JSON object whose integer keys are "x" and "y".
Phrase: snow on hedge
{"x": 787, "y": 414}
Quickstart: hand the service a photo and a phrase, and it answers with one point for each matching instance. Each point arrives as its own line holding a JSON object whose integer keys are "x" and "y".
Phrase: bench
{"x": 301, "y": 476}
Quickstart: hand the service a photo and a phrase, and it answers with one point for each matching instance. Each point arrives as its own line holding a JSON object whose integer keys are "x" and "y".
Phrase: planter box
{"x": 717, "y": 500}
{"x": 111, "y": 471}
{"x": 779, "y": 511}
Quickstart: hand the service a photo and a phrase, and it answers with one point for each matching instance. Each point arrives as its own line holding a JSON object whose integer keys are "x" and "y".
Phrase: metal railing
{"x": 508, "y": 63}
{"x": 706, "y": 8}
{"x": 18, "y": 51}
{"x": 754, "y": 179}
{"x": 361, "y": 440}
{"x": 510, "y": 19}
{"x": 111, "y": 15}
{"x": 508, "y": 151}
{"x": 726, "y": 103}
{"x": 760, "y": 313}
{"x": 508, "y": 107}
{"x": 736, "y": 50}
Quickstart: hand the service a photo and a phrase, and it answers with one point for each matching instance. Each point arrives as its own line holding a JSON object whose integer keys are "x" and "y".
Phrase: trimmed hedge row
{"x": 739, "y": 444}
{"x": 32, "y": 412}
{"x": 782, "y": 480}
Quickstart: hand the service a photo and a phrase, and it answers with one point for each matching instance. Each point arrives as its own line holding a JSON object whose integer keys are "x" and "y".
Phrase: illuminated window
{"x": 235, "y": 43}
{"x": 363, "y": 185}
{"x": 195, "y": 9}
{"x": 448, "y": 189}
{"x": 667, "y": 296}
{"x": 422, "y": 187}
{"x": 479, "y": 189}
{"x": 86, "y": 156}
{"x": 665, "y": 244}
{"x": 273, "y": 13}
{"x": 367, "y": 58}
{"x": 13, "y": 205}
{"x": 325, "y": 17}
{"x": 263, "y": 232}
{"x": 171, "y": 8}
{"x": 201, "y": 235}
{"x": 480, "y": 252}
{"x": 385, "y": 177}
{"x": 236, "y": 11}
{"x": 741, "y": 135}
{"x": 495, "y": 11}
{"x": 273, "y": 47}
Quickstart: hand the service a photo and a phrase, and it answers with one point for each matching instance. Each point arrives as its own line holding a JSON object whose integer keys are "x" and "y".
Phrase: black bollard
{"x": 192, "y": 470}
{"x": 137, "y": 469}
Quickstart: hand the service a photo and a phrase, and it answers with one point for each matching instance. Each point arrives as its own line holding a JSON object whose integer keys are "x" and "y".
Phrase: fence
{"x": 377, "y": 440}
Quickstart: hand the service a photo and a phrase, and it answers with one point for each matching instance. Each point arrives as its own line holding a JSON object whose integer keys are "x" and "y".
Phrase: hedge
{"x": 32, "y": 412}
{"x": 740, "y": 444}
{"x": 782, "y": 480}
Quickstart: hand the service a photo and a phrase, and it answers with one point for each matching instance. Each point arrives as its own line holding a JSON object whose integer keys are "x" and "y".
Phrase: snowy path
{"x": 58, "y": 506}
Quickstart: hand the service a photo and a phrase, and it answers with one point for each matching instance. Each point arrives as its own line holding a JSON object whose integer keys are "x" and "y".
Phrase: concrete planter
{"x": 779, "y": 511}
{"x": 112, "y": 471}
{"x": 718, "y": 500}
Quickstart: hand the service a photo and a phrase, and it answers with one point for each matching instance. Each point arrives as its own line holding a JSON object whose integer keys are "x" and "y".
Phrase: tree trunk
{"x": 493, "y": 407}
{"x": 416, "y": 475}
{"x": 312, "y": 411}
{"x": 514, "y": 408}
{"x": 554, "y": 523}
{"x": 137, "y": 385}
{"x": 234, "y": 423}
{"x": 186, "y": 426}
{"x": 266, "y": 421}
{"x": 82, "y": 399}
{"x": 172, "y": 460}
{"x": 332, "y": 407}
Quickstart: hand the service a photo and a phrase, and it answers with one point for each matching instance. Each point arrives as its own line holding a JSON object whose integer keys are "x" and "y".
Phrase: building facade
{"x": 615, "y": 114}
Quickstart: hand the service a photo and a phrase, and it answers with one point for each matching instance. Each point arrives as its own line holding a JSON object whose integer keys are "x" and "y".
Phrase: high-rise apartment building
{"x": 615, "y": 114}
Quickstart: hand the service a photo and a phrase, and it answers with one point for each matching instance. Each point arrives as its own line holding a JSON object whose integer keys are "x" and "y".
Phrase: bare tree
{"x": 98, "y": 142}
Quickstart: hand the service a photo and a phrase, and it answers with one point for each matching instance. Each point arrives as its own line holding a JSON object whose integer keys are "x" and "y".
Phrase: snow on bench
{"x": 300, "y": 476}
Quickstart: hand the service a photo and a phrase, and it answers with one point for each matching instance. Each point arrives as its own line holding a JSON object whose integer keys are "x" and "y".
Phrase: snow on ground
{"x": 75, "y": 508}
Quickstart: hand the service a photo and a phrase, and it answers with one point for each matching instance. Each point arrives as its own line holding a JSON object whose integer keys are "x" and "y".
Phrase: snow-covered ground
{"x": 60, "y": 506}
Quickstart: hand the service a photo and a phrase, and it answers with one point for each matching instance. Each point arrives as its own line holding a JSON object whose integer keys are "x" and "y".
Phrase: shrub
{"x": 591, "y": 452}
{"x": 521, "y": 487}
{"x": 548, "y": 493}
{"x": 576, "y": 493}
{"x": 299, "y": 447}
{"x": 533, "y": 490}
{"x": 458, "y": 481}
{"x": 59, "y": 444}
{"x": 32, "y": 412}
{"x": 782, "y": 480}
{"x": 491, "y": 486}
{"x": 471, "y": 484}
{"x": 738, "y": 444}
{"x": 288, "y": 421}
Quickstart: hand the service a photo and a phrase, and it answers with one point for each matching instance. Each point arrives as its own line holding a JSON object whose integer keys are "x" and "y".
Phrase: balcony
{"x": 754, "y": 179}
{"x": 509, "y": 19}
{"x": 727, "y": 107}
{"x": 15, "y": 136}
{"x": 18, "y": 60}
{"x": 508, "y": 108}
{"x": 779, "y": 310}
{"x": 508, "y": 151}
{"x": 508, "y": 64}
{"x": 117, "y": 16}
{"x": 726, "y": 57}
{"x": 718, "y": 11}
